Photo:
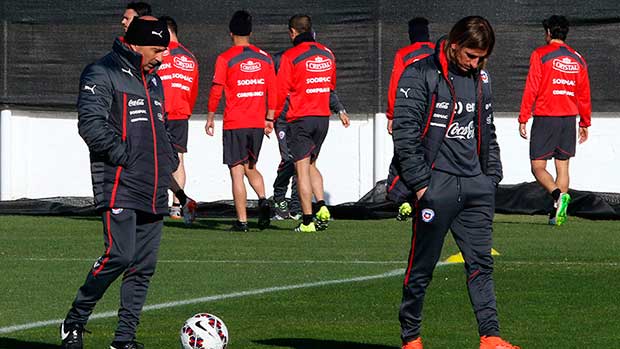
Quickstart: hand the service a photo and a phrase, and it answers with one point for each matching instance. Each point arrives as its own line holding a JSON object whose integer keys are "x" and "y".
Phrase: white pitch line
{"x": 219, "y": 261}
{"x": 396, "y": 272}
{"x": 307, "y": 261}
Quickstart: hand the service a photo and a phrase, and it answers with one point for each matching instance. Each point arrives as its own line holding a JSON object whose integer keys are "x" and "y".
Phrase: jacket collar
{"x": 303, "y": 37}
{"x": 129, "y": 58}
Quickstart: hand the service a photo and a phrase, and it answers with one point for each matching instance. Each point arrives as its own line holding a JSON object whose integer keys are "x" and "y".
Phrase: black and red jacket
{"x": 307, "y": 76}
{"x": 423, "y": 110}
{"x": 121, "y": 117}
{"x": 557, "y": 84}
{"x": 404, "y": 57}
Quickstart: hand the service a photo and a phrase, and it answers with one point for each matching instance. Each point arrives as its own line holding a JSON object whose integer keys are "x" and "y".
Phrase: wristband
{"x": 268, "y": 119}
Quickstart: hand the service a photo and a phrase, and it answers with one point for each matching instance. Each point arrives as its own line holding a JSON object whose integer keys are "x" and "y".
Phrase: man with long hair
{"x": 445, "y": 143}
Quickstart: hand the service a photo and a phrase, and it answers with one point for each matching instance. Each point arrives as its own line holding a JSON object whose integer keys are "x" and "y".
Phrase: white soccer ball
{"x": 204, "y": 331}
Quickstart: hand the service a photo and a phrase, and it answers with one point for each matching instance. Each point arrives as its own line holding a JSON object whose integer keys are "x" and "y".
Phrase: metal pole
{"x": 5, "y": 58}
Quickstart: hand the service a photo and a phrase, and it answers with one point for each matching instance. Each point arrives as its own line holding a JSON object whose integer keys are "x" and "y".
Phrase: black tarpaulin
{"x": 524, "y": 198}
{"x": 46, "y": 44}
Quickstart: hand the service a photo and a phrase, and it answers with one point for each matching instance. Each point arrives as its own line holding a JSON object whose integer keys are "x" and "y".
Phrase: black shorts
{"x": 553, "y": 137}
{"x": 242, "y": 146}
{"x": 178, "y": 131}
{"x": 306, "y": 135}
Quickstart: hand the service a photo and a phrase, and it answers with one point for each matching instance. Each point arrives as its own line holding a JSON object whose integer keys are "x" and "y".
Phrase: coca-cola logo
{"x": 319, "y": 64}
{"x": 566, "y": 65}
{"x": 135, "y": 102}
{"x": 184, "y": 63}
{"x": 456, "y": 131}
{"x": 250, "y": 67}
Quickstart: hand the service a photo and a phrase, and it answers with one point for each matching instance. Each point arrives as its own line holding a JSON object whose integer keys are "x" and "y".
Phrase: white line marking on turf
{"x": 220, "y": 261}
{"x": 308, "y": 261}
{"x": 109, "y": 314}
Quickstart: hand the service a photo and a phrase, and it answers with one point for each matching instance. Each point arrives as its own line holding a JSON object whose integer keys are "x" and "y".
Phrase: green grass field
{"x": 557, "y": 287}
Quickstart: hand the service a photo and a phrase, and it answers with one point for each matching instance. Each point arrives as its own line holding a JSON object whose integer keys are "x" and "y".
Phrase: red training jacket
{"x": 307, "y": 75}
{"x": 557, "y": 84}
{"x": 179, "y": 75}
{"x": 246, "y": 75}
{"x": 405, "y": 56}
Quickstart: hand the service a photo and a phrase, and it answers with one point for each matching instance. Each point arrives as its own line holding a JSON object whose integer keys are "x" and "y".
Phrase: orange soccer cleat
{"x": 414, "y": 344}
{"x": 494, "y": 342}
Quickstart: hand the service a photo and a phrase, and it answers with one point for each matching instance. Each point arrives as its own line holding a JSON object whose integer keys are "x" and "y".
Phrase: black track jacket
{"x": 425, "y": 107}
{"x": 121, "y": 117}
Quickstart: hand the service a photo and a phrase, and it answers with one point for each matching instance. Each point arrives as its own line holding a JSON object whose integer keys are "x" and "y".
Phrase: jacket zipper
{"x": 148, "y": 99}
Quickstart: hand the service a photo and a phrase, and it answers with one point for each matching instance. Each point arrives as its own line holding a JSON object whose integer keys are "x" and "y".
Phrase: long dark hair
{"x": 471, "y": 32}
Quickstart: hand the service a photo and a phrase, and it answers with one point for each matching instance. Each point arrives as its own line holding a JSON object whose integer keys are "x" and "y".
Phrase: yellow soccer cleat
{"x": 310, "y": 228}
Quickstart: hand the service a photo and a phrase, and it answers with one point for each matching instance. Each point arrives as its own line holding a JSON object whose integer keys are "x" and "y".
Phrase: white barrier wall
{"x": 42, "y": 155}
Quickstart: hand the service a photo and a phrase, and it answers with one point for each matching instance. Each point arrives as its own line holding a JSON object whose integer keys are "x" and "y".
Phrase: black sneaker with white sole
{"x": 126, "y": 345}
{"x": 281, "y": 211}
{"x": 240, "y": 226}
{"x": 71, "y": 336}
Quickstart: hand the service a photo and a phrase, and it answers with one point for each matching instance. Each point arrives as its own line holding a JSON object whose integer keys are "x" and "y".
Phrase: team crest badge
{"x": 484, "y": 76}
{"x": 428, "y": 215}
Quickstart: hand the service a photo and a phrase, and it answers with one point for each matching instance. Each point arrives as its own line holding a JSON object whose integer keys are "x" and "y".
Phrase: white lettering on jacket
{"x": 456, "y": 131}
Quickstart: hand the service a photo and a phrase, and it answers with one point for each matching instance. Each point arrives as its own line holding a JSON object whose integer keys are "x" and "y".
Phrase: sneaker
{"x": 295, "y": 216}
{"x": 264, "y": 215}
{"x": 322, "y": 218}
{"x": 321, "y": 225}
{"x": 552, "y": 213}
{"x": 562, "y": 206}
{"x": 71, "y": 336}
{"x": 404, "y": 212}
{"x": 126, "y": 345}
{"x": 240, "y": 226}
{"x": 189, "y": 211}
{"x": 280, "y": 211}
{"x": 175, "y": 212}
{"x": 494, "y": 342}
{"x": 310, "y": 228}
{"x": 414, "y": 344}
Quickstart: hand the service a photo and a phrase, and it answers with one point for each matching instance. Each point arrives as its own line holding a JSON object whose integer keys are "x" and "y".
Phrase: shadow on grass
{"x": 10, "y": 343}
{"x": 218, "y": 224}
{"x": 311, "y": 343}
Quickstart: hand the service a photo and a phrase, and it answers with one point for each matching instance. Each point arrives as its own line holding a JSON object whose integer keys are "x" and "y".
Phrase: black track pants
{"x": 465, "y": 205}
{"x": 131, "y": 243}
{"x": 286, "y": 169}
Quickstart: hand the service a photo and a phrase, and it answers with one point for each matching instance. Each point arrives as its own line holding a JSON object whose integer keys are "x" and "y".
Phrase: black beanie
{"x": 143, "y": 32}
{"x": 241, "y": 23}
{"x": 418, "y": 30}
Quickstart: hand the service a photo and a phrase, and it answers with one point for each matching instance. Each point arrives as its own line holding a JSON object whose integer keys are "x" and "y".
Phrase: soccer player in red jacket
{"x": 419, "y": 48}
{"x": 246, "y": 75}
{"x": 556, "y": 90}
{"x": 307, "y": 75}
{"x": 179, "y": 76}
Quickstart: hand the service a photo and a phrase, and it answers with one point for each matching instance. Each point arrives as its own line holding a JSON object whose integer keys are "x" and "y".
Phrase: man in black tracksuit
{"x": 445, "y": 143}
{"x": 121, "y": 117}
{"x": 286, "y": 168}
